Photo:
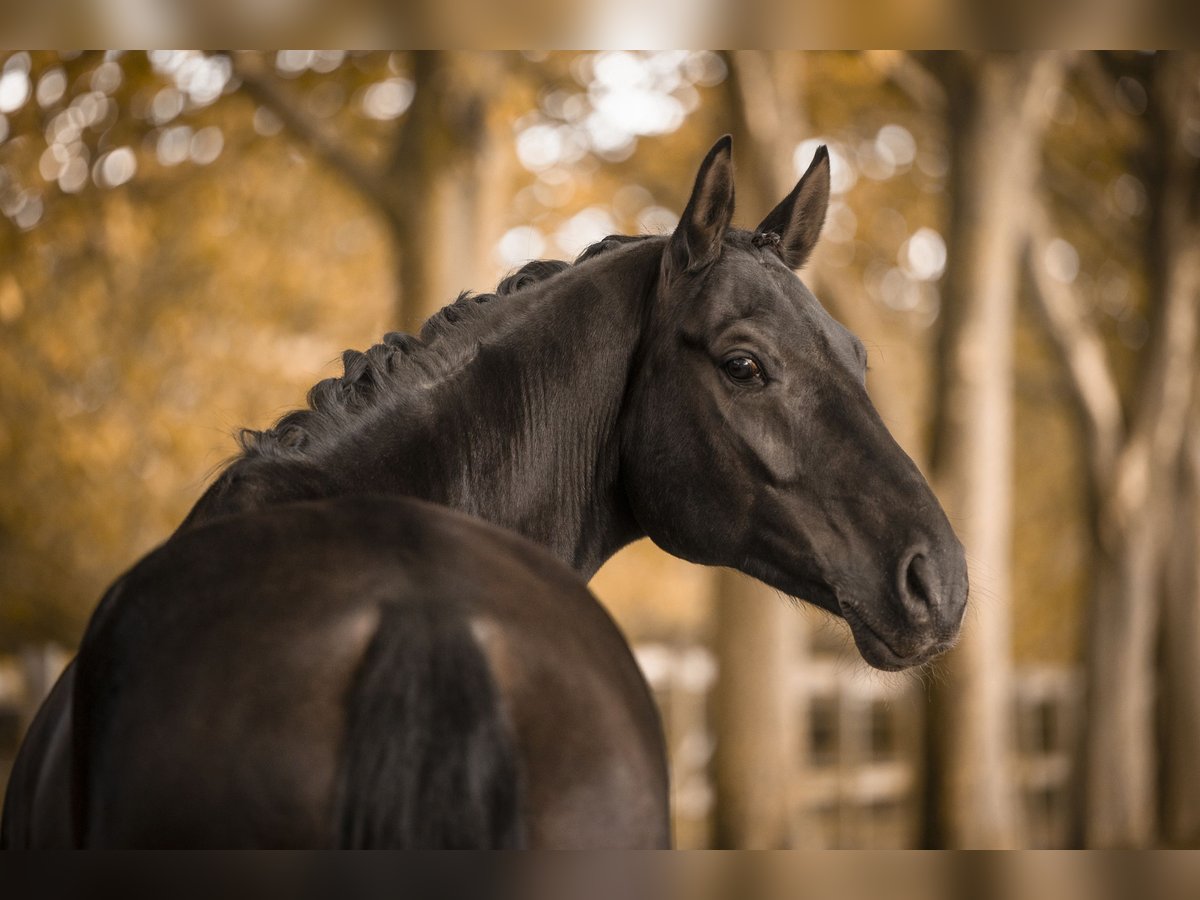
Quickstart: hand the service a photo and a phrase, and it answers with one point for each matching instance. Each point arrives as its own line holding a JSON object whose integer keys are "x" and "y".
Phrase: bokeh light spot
{"x": 923, "y": 255}
{"x": 174, "y": 145}
{"x": 1062, "y": 261}
{"x": 388, "y": 99}
{"x": 266, "y": 122}
{"x": 107, "y": 77}
{"x": 520, "y": 244}
{"x": 51, "y": 87}
{"x": 117, "y": 167}
{"x": 14, "y": 90}
{"x": 206, "y": 145}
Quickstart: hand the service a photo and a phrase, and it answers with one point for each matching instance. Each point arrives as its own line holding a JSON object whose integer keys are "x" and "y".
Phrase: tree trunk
{"x": 755, "y": 715}
{"x": 1134, "y": 495}
{"x": 1119, "y": 782}
{"x": 1181, "y": 652}
{"x": 996, "y": 116}
{"x": 1120, "y": 807}
{"x": 448, "y": 178}
{"x": 758, "y": 637}
{"x": 443, "y": 187}
{"x": 764, "y": 92}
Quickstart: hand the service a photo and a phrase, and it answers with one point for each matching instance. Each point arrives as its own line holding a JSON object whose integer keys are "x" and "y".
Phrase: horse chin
{"x": 879, "y": 653}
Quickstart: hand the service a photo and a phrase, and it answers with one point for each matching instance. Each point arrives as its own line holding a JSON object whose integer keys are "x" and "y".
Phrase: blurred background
{"x": 189, "y": 240}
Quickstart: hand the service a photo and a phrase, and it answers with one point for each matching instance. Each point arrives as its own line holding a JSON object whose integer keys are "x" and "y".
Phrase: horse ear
{"x": 799, "y": 216}
{"x": 697, "y": 239}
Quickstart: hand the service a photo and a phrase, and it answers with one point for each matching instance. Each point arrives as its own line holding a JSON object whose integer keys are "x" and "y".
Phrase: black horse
{"x": 373, "y": 629}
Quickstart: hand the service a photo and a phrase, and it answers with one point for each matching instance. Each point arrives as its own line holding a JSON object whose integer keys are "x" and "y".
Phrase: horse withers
{"x": 372, "y": 630}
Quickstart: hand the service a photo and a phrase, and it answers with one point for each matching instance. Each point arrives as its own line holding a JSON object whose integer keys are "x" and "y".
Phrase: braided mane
{"x": 368, "y": 376}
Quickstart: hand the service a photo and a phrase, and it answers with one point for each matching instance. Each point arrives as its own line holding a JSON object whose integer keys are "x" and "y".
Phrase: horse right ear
{"x": 800, "y": 215}
{"x": 696, "y": 242}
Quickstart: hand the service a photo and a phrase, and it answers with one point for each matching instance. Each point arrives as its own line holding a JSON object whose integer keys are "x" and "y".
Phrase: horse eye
{"x": 743, "y": 368}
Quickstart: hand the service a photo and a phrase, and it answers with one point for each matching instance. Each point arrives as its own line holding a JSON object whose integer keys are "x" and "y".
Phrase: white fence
{"x": 859, "y": 779}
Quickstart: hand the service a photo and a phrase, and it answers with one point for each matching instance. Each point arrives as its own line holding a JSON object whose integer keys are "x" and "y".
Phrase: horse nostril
{"x": 919, "y": 587}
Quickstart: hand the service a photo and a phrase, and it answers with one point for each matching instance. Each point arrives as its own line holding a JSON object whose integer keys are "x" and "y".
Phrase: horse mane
{"x": 368, "y": 375}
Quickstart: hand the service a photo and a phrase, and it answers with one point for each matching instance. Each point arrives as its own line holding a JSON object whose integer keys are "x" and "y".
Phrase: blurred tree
{"x": 1175, "y": 126}
{"x": 1180, "y": 703}
{"x": 996, "y": 113}
{"x": 117, "y": 295}
{"x": 175, "y": 226}
{"x": 1132, "y": 453}
{"x": 757, "y": 636}
{"x": 445, "y": 174}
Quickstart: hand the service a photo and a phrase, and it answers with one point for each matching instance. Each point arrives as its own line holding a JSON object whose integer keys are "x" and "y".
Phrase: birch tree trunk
{"x": 996, "y": 116}
{"x": 756, "y": 719}
{"x": 1135, "y": 489}
{"x": 1181, "y": 652}
{"x": 1121, "y": 806}
{"x": 1133, "y": 463}
{"x": 1181, "y": 615}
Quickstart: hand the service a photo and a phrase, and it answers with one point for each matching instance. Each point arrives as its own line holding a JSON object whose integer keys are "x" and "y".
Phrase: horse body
{"x": 384, "y": 607}
{"x": 464, "y": 430}
{"x": 685, "y": 387}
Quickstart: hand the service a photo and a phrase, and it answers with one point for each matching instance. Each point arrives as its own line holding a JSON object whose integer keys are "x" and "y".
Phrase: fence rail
{"x": 858, "y": 777}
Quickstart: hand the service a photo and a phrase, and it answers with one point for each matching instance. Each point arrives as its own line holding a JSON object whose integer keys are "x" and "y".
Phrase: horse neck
{"x": 534, "y": 430}
{"x": 523, "y": 435}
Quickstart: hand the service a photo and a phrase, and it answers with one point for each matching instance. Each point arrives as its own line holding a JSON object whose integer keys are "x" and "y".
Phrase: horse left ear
{"x": 697, "y": 239}
{"x": 799, "y": 217}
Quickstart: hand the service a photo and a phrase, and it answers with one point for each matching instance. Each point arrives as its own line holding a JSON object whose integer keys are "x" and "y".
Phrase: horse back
{"x": 360, "y": 672}
{"x": 38, "y": 814}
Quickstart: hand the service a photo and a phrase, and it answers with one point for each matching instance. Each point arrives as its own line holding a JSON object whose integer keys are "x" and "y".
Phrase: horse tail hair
{"x": 428, "y": 760}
